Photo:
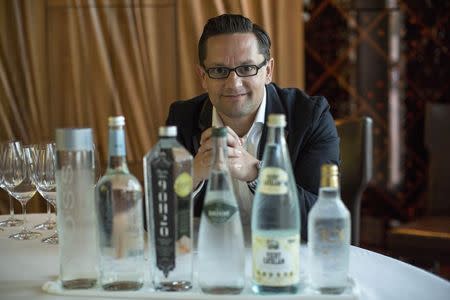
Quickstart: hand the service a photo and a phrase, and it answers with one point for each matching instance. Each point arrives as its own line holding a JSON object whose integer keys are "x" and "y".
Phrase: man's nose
{"x": 233, "y": 79}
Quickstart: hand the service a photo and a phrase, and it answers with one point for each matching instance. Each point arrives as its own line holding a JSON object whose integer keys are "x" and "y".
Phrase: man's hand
{"x": 242, "y": 165}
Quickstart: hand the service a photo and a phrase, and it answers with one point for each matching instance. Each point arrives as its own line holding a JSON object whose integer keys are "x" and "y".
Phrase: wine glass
{"x": 12, "y": 220}
{"x": 18, "y": 179}
{"x": 44, "y": 178}
{"x": 49, "y": 224}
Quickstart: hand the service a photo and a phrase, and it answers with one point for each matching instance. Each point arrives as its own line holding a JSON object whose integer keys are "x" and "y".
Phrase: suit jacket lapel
{"x": 204, "y": 122}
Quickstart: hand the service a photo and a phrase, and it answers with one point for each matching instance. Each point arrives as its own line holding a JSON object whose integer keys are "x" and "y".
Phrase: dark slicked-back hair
{"x": 228, "y": 24}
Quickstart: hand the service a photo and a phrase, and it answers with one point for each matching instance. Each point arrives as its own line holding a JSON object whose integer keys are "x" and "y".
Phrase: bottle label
{"x": 183, "y": 185}
{"x": 329, "y": 241}
{"x": 219, "y": 212}
{"x": 116, "y": 142}
{"x": 164, "y": 213}
{"x": 276, "y": 260}
{"x": 274, "y": 181}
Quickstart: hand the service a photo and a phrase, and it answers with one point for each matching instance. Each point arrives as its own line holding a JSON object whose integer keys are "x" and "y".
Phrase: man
{"x": 235, "y": 69}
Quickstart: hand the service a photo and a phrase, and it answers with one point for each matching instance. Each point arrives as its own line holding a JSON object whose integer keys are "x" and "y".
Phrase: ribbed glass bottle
{"x": 276, "y": 218}
{"x": 118, "y": 197}
{"x": 329, "y": 236}
{"x": 221, "y": 250}
{"x": 168, "y": 191}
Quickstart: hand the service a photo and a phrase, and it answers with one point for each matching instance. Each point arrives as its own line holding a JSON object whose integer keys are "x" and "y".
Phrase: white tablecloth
{"x": 26, "y": 265}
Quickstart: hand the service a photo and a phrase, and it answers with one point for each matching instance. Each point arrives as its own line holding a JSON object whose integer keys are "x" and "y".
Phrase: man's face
{"x": 235, "y": 97}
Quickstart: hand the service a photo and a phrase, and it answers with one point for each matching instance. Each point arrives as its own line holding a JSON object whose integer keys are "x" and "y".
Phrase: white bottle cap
{"x": 167, "y": 131}
{"x": 116, "y": 121}
{"x": 277, "y": 120}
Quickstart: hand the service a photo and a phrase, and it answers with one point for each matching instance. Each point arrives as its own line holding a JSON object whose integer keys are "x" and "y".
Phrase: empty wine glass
{"x": 18, "y": 179}
{"x": 50, "y": 223}
{"x": 12, "y": 220}
{"x": 44, "y": 177}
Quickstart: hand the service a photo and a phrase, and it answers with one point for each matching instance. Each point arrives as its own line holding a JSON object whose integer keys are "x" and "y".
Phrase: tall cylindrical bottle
{"x": 120, "y": 225}
{"x": 168, "y": 193}
{"x": 78, "y": 253}
{"x": 221, "y": 250}
{"x": 276, "y": 218}
{"x": 329, "y": 236}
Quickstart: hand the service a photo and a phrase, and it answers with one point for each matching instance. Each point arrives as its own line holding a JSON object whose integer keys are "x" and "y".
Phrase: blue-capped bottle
{"x": 276, "y": 218}
{"x": 118, "y": 198}
{"x": 221, "y": 250}
{"x": 168, "y": 194}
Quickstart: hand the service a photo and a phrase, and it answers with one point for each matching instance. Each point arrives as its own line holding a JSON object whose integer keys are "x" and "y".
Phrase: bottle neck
{"x": 220, "y": 155}
{"x": 167, "y": 141}
{"x": 276, "y": 135}
{"x": 329, "y": 193}
{"x": 117, "y": 156}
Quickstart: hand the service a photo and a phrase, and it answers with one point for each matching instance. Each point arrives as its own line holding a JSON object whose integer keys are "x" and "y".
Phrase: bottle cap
{"x": 277, "y": 120}
{"x": 329, "y": 176}
{"x": 74, "y": 139}
{"x": 167, "y": 131}
{"x": 116, "y": 121}
{"x": 219, "y": 132}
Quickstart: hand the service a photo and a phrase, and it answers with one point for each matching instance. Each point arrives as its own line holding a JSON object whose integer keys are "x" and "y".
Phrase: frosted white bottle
{"x": 78, "y": 255}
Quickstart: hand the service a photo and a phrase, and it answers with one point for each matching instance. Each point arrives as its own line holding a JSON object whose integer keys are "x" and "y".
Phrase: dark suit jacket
{"x": 311, "y": 137}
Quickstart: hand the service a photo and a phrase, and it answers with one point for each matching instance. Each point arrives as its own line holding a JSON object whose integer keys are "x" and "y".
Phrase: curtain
{"x": 73, "y": 63}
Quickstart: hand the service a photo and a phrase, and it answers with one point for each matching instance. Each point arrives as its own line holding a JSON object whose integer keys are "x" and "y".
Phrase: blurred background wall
{"x": 73, "y": 63}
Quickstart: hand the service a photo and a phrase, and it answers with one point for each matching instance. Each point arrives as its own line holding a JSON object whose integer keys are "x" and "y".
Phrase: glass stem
{"x": 24, "y": 213}
{"x": 11, "y": 207}
{"x": 49, "y": 211}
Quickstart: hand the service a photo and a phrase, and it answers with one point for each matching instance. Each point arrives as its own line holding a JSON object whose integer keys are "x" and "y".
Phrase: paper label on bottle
{"x": 329, "y": 241}
{"x": 183, "y": 185}
{"x": 276, "y": 260}
{"x": 164, "y": 212}
{"x": 273, "y": 181}
{"x": 116, "y": 142}
{"x": 219, "y": 212}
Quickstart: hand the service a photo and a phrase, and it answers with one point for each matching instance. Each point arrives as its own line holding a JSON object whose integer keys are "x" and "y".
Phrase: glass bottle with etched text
{"x": 329, "y": 236}
{"x": 77, "y": 238}
{"x": 118, "y": 198}
{"x": 221, "y": 250}
{"x": 276, "y": 218}
{"x": 168, "y": 193}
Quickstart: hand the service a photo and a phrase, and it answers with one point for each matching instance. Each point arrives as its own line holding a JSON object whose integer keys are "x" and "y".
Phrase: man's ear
{"x": 202, "y": 75}
{"x": 269, "y": 70}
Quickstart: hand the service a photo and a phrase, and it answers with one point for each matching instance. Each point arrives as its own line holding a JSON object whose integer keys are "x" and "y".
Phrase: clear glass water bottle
{"x": 221, "y": 250}
{"x": 168, "y": 193}
{"x": 78, "y": 253}
{"x": 276, "y": 218}
{"x": 329, "y": 236}
{"x": 118, "y": 199}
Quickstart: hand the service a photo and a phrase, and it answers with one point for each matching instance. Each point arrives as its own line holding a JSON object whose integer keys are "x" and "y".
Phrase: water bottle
{"x": 118, "y": 199}
{"x": 276, "y": 218}
{"x": 221, "y": 250}
{"x": 76, "y": 222}
{"x": 168, "y": 186}
{"x": 329, "y": 236}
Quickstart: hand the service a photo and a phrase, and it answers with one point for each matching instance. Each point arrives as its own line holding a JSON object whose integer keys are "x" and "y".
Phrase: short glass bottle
{"x": 329, "y": 236}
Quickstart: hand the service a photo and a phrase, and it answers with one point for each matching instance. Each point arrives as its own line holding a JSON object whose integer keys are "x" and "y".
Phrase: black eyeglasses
{"x": 241, "y": 71}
